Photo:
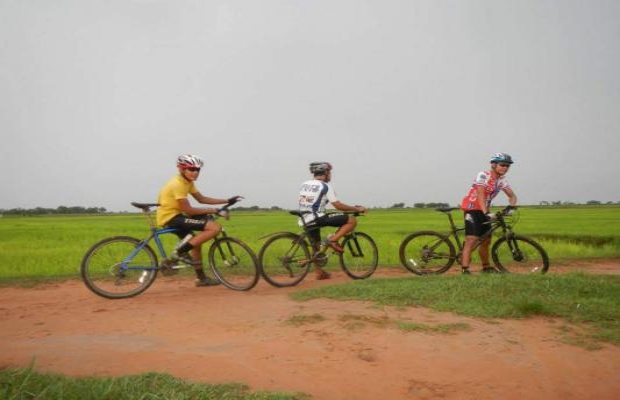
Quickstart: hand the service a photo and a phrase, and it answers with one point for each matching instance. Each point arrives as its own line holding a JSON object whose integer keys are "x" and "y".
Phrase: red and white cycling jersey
{"x": 492, "y": 186}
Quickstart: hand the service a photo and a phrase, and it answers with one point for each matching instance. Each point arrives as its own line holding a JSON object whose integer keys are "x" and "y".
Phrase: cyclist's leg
{"x": 483, "y": 252}
{"x": 207, "y": 228}
{"x": 314, "y": 234}
{"x": 345, "y": 224}
{"x": 313, "y": 230}
{"x": 475, "y": 227}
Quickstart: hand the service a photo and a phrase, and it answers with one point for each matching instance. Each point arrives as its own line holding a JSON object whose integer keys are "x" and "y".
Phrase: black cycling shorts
{"x": 186, "y": 224}
{"x": 476, "y": 223}
{"x": 332, "y": 219}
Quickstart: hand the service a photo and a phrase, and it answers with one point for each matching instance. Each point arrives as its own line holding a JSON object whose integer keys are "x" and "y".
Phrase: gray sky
{"x": 408, "y": 99}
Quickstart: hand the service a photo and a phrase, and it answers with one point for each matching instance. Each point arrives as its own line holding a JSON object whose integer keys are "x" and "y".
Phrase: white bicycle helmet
{"x": 189, "y": 161}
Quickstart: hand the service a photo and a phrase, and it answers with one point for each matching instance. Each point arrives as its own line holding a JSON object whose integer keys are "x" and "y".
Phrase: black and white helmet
{"x": 189, "y": 161}
{"x": 320, "y": 167}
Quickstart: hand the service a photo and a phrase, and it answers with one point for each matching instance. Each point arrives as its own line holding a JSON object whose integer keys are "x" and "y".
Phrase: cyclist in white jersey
{"x": 314, "y": 195}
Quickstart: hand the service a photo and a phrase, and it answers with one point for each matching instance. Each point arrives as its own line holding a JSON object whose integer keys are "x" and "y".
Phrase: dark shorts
{"x": 333, "y": 219}
{"x": 476, "y": 223}
{"x": 186, "y": 224}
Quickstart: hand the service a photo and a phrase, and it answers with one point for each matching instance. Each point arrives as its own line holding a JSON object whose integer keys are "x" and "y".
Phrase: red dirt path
{"x": 218, "y": 335}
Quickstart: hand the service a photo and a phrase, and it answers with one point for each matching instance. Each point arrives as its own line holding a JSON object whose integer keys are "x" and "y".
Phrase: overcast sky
{"x": 408, "y": 99}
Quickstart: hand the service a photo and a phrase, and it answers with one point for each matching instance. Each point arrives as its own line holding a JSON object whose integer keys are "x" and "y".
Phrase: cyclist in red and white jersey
{"x": 476, "y": 205}
{"x": 314, "y": 195}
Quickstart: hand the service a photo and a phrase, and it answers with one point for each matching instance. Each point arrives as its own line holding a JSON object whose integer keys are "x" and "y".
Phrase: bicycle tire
{"x": 234, "y": 263}
{"x": 285, "y": 260}
{"x": 360, "y": 257}
{"x": 519, "y": 254}
{"x": 427, "y": 253}
{"x": 102, "y": 270}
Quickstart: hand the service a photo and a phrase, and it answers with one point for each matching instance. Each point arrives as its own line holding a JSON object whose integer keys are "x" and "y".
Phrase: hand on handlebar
{"x": 234, "y": 199}
{"x": 223, "y": 212}
{"x": 509, "y": 210}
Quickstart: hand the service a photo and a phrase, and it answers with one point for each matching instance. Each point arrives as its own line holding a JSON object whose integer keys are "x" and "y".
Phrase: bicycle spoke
{"x": 233, "y": 263}
{"x": 285, "y": 260}
{"x": 427, "y": 252}
{"x": 360, "y": 257}
{"x": 118, "y": 267}
{"x": 520, "y": 255}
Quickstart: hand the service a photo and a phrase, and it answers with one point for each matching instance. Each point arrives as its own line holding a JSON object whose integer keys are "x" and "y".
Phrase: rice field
{"x": 53, "y": 246}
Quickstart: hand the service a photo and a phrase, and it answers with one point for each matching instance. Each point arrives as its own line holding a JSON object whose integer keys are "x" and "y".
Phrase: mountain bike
{"x": 119, "y": 267}
{"x": 286, "y": 257}
{"x": 430, "y": 252}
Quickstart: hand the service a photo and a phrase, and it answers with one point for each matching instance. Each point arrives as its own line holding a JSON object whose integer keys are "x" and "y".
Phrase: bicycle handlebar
{"x": 146, "y": 207}
{"x": 507, "y": 210}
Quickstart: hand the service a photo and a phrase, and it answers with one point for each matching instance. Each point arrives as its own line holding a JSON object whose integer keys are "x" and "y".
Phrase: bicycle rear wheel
{"x": 360, "y": 257}
{"x": 234, "y": 263}
{"x": 427, "y": 252}
{"x": 520, "y": 255}
{"x": 118, "y": 268}
{"x": 285, "y": 260}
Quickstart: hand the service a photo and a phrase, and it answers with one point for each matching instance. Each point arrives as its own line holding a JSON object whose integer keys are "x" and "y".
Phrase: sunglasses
{"x": 193, "y": 169}
{"x": 504, "y": 165}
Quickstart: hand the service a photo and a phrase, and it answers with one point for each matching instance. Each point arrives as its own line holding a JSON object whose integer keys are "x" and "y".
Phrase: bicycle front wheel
{"x": 234, "y": 263}
{"x": 118, "y": 268}
{"x": 427, "y": 252}
{"x": 520, "y": 254}
{"x": 285, "y": 260}
{"x": 360, "y": 257}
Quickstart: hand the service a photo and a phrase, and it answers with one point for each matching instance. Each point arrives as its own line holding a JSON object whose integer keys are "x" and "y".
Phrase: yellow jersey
{"x": 176, "y": 189}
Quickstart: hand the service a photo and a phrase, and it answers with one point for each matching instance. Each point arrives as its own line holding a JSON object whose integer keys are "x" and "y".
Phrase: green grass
{"x": 590, "y": 302}
{"x": 53, "y": 246}
{"x": 21, "y": 384}
{"x": 34, "y": 249}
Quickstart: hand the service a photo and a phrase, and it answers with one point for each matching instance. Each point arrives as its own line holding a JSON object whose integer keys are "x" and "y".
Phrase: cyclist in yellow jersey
{"x": 175, "y": 211}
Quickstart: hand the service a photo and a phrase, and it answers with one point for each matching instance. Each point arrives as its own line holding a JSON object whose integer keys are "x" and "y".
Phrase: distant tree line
{"x": 257, "y": 208}
{"x": 58, "y": 210}
{"x": 63, "y": 210}
{"x": 570, "y": 203}
{"x": 421, "y": 205}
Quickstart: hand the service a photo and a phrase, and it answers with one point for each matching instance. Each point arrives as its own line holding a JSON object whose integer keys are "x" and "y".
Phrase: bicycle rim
{"x": 234, "y": 264}
{"x": 520, "y": 255}
{"x": 360, "y": 257}
{"x": 285, "y": 260}
{"x": 114, "y": 268}
{"x": 427, "y": 252}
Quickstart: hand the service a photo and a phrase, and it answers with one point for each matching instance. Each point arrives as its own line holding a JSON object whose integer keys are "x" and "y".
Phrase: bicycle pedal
{"x": 320, "y": 259}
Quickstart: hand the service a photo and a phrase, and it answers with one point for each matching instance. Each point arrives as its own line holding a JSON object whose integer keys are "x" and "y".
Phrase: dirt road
{"x": 356, "y": 352}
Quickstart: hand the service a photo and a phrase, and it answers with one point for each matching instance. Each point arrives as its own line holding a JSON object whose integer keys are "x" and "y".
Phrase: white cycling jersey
{"x": 314, "y": 196}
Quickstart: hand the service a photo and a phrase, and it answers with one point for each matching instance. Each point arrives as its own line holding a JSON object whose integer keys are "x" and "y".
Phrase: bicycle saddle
{"x": 144, "y": 206}
{"x": 299, "y": 213}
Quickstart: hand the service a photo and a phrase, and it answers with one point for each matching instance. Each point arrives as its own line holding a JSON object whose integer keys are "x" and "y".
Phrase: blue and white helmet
{"x": 189, "y": 161}
{"x": 501, "y": 158}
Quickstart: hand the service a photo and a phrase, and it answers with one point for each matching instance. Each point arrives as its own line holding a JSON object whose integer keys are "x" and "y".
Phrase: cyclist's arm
{"x": 202, "y": 199}
{"x": 481, "y": 198}
{"x": 512, "y": 197}
{"x": 338, "y": 205}
{"x": 187, "y": 208}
